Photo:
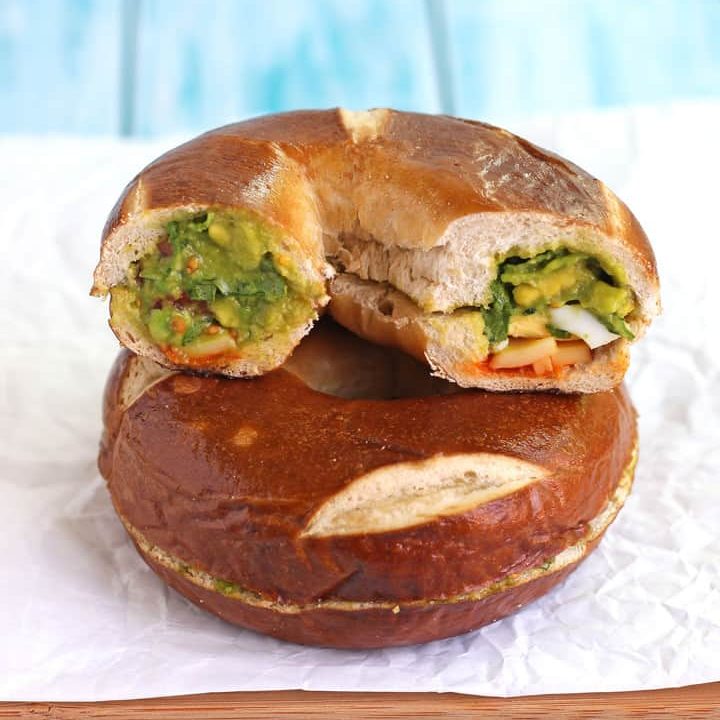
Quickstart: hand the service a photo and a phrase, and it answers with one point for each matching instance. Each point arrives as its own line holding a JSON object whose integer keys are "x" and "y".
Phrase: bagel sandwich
{"x": 501, "y": 265}
{"x": 399, "y": 509}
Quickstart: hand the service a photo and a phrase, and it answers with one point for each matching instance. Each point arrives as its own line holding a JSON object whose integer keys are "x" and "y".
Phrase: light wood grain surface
{"x": 697, "y": 701}
{"x": 151, "y": 67}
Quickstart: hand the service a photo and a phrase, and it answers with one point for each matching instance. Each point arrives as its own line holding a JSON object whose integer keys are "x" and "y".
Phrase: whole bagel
{"x": 403, "y": 219}
{"x": 356, "y": 522}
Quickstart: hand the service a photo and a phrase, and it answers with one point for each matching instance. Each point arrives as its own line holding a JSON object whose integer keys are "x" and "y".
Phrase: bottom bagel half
{"x": 393, "y": 511}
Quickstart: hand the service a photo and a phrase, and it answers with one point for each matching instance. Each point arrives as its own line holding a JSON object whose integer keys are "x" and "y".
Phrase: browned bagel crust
{"x": 437, "y": 159}
{"x": 253, "y": 164}
{"x": 382, "y": 194}
{"x": 226, "y": 475}
{"x": 368, "y": 627}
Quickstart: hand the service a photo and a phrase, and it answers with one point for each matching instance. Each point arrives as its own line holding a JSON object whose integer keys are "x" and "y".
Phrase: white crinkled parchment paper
{"x": 83, "y": 618}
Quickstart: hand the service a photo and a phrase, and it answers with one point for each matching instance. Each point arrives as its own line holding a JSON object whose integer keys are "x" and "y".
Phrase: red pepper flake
{"x": 213, "y": 330}
{"x": 165, "y": 248}
{"x": 178, "y": 324}
{"x": 193, "y": 264}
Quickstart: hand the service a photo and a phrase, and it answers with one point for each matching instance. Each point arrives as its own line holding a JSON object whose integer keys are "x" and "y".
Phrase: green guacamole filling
{"x": 216, "y": 282}
{"x": 554, "y": 278}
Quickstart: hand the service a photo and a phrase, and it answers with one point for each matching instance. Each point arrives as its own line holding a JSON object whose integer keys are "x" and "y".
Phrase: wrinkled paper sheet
{"x": 83, "y": 618}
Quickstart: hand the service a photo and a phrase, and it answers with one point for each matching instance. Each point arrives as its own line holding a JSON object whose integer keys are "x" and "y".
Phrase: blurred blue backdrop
{"x": 150, "y": 67}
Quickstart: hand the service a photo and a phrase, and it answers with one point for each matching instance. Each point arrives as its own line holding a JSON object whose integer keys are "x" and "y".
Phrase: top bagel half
{"x": 500, "y": 264}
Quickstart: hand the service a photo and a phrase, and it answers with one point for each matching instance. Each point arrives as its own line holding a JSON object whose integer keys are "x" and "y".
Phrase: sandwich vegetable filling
{"x": 216, "y": 282}
{"x": 556, "y": 295}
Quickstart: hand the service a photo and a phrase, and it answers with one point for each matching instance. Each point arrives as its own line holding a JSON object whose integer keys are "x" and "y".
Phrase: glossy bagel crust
{"x": 421, "y": 202}
{"x": 231, "y": 480}
{"x": 367, "y": 627}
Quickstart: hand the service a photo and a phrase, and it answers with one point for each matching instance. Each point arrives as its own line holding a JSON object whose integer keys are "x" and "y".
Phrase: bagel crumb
{"x": 245, "y": 436}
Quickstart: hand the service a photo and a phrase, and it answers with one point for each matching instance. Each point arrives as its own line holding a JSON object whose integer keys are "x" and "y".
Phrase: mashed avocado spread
{"x": 217, "y": 281}
{"x": 530, "y": 286}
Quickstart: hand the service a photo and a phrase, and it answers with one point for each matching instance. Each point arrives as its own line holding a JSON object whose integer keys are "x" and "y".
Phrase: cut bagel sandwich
{"x": 523, "y": 271}
{"x": 390, "y": 512}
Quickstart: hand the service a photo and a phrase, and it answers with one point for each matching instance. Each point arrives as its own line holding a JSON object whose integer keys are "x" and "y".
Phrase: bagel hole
{"x": 334, "y": 361}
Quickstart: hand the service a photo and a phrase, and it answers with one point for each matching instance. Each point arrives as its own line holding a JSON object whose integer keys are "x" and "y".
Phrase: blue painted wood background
{"x": 149, "y": 67}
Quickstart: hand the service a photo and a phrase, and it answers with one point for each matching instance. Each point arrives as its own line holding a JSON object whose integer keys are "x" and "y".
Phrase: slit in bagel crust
{"x": 401, "y": 495}
{"x": 567, "y": 557}
{"x": 484, "y": 235}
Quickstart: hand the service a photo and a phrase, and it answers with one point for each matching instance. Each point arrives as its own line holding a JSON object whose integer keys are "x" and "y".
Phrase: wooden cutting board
{"x": 688, "y": 703}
